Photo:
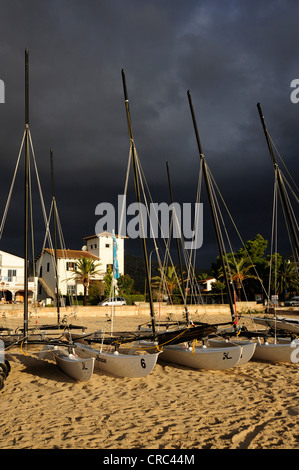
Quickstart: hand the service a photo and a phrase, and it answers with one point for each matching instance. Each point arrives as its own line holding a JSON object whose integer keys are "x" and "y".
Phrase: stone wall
{"x": 143, "y": 309}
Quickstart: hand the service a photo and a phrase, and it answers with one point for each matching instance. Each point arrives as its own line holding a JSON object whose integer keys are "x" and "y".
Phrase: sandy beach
{"x": 253, "y": 406}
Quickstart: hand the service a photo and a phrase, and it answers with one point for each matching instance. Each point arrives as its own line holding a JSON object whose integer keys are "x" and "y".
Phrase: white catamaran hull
{"x": 277, "y": 352}
{"x": 248, "y": 348}
{"x": 78, "y": 368}
{"x": 280, "y": 323}
{"x": 204, "y": 357}
{"x": 121, "y": 365}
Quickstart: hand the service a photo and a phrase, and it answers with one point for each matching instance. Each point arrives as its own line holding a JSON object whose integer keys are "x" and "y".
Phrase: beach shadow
{"x": 42, "y": 368}
{"x": 174, "y": 365}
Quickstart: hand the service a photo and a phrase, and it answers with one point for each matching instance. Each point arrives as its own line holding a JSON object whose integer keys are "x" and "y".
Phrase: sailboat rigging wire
{"x": 190, "y": 259}
{"x": 289, "y": 202}
{"x": 289, "y": 186}
{"x": 125, "y": 191}
{"x": 38, "y": 180}
{"x": 290, "y": 176}
{"x": 191, "y": 280}
{"x": 228, "y": 266}
{"x": 295, "y": 255}
{"x": 239, "y": 281}
{"x": 198, "y": 199}
{"x": 144, "y": 185}
{"x": 216, "y": 212}
{"x": 46, "y": 220}
{"x": 47, "y": 235}
{"x": 11, "y": 187}
{"x": 142, "y": 181}
{"x": 238, "y": 233}
{"x": 41, "y": 194}
{"x": 32, "y": 229}
{"x": 273, "y": 239}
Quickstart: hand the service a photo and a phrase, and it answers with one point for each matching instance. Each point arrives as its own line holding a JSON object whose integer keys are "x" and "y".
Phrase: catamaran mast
{"x": 178, "y": 247}
{"x": 26, "y": 195}
{"x": 137, "y": 189}
{"x": 279, "y": 181}
{"x": 213, "y": 210}
{"x": 55, "y": 236}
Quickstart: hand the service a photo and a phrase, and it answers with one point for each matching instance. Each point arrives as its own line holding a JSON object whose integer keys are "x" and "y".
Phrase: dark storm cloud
{"x": 229, "y": 54}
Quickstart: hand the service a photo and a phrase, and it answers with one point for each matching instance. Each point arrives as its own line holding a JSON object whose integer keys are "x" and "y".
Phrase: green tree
{"x": 284, "y": 276}
{"x": 218, "y": 287}
{"x": 95, "y": 292}
{"x": 107, "y": 281}
{"x": 290, "y": 277}
{"x": 239, "y": 271}
{"x": 203, "y": 275}
{"x": 86, "y": 269}
{"x": 255, "y": 249}
{"x": 125, "y": 284}
{"x": 252, "y": 253}
{"x": 168, "y": 278}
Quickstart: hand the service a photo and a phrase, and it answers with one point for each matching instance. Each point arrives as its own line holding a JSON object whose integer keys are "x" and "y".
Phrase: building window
{"x": 71, "y": 289}
{"x": 91, "y": 247}
{"x": 107, "y": 245}
{"x": 96, "y": 246}
{"x": 11, "y": 273}
{"x": 71, "y": 266}
{"x": 48, "y": 267}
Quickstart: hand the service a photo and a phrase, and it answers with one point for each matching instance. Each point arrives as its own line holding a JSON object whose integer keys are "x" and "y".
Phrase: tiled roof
{"x": 71, "y": 254}
{"x": 208, "y": 279}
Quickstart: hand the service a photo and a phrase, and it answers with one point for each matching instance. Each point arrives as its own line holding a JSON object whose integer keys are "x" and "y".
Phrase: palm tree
{"x": 239, "y": 271}
{"x": 86, "y": 269}
{"x": 287, "y": 277}
{"x": 168, "y": 278}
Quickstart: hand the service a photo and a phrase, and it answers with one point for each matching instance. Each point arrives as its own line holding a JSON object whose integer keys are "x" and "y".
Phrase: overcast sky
{"x": 229, "y": 54}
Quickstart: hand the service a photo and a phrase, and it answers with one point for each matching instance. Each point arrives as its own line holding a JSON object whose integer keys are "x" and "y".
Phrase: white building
{"x": 206, "y": 284}
{"x": 12, "y": 279}
{"x": 101, "y": 245}
{"x": 66, "y": 266}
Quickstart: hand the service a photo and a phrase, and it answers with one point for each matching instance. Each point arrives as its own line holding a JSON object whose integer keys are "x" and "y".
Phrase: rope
{"x": 144, "y": 185}
{"x": 290, "y": 176}
{"x": 11, "y": 188}
{"x": 239, "y": 235}
{"x": 21, "y": 349}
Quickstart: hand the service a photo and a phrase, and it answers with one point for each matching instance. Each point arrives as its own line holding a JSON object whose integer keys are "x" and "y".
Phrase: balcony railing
{"x": 16, "y": 281}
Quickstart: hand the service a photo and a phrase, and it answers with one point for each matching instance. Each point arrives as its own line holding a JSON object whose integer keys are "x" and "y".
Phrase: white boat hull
{"x": 209, "y": 358}
{"x": 248, "y": 348}
{"x": 287, "y": 324}
{"x": 80, "y": 369}
{"x": 278, "y": 352}
{"x": 121, "y": 365}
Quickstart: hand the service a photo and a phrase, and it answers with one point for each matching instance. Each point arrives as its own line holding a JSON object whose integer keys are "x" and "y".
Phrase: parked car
{"x": 113, "y": 301}
{"x": 293, "y": 302}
